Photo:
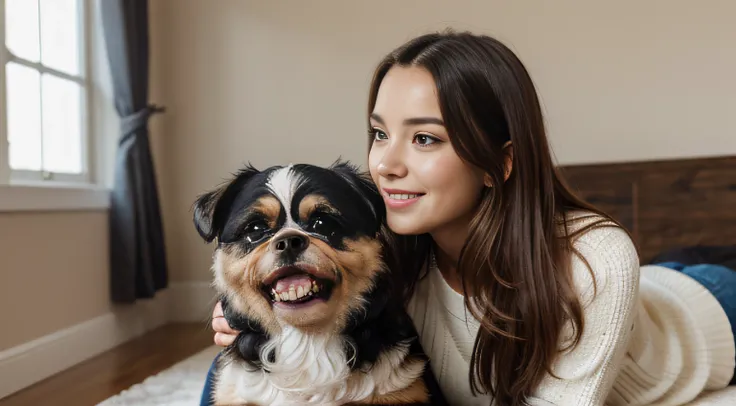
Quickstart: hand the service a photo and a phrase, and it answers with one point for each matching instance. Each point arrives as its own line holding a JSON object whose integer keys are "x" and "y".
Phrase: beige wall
{"x": 53, "y": 272}
{"x": 279, "y": 81}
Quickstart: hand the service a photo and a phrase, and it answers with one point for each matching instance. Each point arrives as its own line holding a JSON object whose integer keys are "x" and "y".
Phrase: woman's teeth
{"x": 402, "y": 196}
{"x": 294, "y": 292}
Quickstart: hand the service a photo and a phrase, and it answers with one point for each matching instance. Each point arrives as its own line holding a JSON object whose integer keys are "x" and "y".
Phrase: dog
{"x": 299, "y": 270}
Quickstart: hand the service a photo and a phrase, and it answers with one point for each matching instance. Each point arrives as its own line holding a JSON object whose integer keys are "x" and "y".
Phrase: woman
{"x": 520, "y": 291}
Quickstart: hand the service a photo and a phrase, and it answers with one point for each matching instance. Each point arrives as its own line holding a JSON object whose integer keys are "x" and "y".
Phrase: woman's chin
{"x": 406, "y": 225}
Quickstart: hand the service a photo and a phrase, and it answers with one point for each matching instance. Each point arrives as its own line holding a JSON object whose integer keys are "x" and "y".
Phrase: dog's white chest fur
{"x": 313, "y": 370}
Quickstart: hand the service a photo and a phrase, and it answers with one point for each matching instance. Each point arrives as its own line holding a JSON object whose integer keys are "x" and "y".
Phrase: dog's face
{"x": 296, "y": 245}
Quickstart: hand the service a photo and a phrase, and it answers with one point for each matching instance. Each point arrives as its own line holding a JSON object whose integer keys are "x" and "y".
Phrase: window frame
{"x": 27, "y": 190}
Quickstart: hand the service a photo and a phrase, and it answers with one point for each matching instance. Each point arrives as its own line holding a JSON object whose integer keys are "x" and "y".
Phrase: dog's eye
{"x": 255, "y": 230}
{"x": 323, "y": 225}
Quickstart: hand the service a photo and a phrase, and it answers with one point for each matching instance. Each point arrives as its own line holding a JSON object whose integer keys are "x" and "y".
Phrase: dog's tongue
{"x": 282, "y": 285}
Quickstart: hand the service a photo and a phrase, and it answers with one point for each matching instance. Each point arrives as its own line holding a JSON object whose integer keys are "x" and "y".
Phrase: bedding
{"x": 724, "y": 255}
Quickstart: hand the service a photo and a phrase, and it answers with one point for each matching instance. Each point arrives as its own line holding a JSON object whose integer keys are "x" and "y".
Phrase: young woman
{"x": 521, "y": 292}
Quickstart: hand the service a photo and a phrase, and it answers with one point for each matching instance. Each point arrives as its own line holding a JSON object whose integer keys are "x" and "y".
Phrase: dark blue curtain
{"x": 137, "y": 252}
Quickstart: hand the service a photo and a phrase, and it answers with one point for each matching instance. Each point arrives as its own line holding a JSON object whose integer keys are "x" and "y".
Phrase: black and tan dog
{"x": 299, "y": 269}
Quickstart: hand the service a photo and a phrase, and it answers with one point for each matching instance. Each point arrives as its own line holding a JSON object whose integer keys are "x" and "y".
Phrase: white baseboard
{"x": 31, "y": 362}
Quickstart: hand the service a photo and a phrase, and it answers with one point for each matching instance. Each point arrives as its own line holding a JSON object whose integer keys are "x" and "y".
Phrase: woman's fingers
{"x": 224, "y": 340}
{"x": 218, "y": 310}
{"x": 224, "y": 334}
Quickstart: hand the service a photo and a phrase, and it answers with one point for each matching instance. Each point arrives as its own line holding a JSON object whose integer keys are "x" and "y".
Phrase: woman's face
{"x": 426, "y": 186}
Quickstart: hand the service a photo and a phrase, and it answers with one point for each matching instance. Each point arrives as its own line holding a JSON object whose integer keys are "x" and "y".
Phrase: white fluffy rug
{"x": 725, "y": 397}
{"x": 182, "y": 384}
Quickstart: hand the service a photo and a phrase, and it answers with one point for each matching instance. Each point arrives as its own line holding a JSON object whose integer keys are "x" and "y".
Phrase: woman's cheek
{"x": 440, "y": 172}
{"x": 453, "y": 179}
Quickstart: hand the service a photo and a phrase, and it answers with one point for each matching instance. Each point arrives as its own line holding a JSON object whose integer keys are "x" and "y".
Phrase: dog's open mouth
{"x": 296, "y": 285}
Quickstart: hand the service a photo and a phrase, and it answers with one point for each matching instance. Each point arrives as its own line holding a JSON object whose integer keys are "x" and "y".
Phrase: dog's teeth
{"x": 295, "y": 292}
{"x": 292, "y": 293}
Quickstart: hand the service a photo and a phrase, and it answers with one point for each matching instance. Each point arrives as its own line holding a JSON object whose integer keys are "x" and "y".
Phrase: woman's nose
{"x": 392, "y": 163}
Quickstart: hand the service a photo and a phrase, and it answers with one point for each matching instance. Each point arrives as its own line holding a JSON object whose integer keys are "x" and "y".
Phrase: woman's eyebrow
{"x": 413, "y": 120}
{"x": 424, "y": 120}
{"x": 378, "y": 118}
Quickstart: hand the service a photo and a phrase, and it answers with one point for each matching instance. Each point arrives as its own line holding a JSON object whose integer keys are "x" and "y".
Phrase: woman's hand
{"x": 224, "y": 335}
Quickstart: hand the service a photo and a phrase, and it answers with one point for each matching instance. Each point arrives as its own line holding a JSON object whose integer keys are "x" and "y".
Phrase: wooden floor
{"x": 111, "y": 372}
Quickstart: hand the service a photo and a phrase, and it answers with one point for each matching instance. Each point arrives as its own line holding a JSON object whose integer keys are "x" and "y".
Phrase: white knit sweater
{"x": 652, "y": 335}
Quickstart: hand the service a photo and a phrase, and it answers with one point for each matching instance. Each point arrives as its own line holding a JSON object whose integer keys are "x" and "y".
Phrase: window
{"x": 44, "y": 89}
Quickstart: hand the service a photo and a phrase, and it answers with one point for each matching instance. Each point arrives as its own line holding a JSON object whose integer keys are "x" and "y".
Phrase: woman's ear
{"x": 487, "y": 180}
{"x": 508, "y": 163}
{"x": 508, "y": 160}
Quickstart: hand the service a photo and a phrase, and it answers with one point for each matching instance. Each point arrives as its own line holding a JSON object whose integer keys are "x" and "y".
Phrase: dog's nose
{"x": 290, "y": 242}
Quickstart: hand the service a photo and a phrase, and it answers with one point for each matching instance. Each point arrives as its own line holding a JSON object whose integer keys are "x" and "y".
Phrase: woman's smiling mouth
{"x": 396, "y": 198}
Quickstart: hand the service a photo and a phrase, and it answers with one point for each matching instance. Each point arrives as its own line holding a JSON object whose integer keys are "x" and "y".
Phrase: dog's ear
{"x": 210, "y": 208}
{"x": 362, "y": 181}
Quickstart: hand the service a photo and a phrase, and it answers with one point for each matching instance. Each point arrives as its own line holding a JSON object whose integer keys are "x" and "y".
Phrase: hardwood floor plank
{"x": 113, "y": 371}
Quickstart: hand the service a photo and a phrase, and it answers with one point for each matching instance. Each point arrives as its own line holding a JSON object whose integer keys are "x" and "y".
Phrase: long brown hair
{"x": 515, "y": 266}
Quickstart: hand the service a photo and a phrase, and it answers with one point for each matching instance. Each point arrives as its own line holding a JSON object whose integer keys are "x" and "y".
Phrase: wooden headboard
{"x": 664, "y": 204}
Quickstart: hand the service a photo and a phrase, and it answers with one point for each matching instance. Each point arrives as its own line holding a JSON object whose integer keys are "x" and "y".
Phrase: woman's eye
{"x": 255, "y": 230}
{"x": 379, "y": 135}
{"x": 423, "y": 139}
{"x": 323, "y": 225}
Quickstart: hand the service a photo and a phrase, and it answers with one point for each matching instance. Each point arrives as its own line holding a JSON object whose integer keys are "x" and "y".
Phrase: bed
{"x": 664, "y": 204}
{"x": 667, "y": 205}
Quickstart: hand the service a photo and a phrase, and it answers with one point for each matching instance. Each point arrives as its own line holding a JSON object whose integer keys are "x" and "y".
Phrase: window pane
{"x": 60, "y": 35}
{"x": 62, "y": 130}
{"x": 21, "y": 28}
{"x": 24, "y": 116}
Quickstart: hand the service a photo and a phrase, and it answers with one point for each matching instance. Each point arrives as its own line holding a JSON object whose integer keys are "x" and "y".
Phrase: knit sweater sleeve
{"x": 586, "y": 372}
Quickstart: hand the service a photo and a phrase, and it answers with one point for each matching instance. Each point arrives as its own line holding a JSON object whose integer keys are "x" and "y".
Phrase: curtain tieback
{"x": 134, "y": 122}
